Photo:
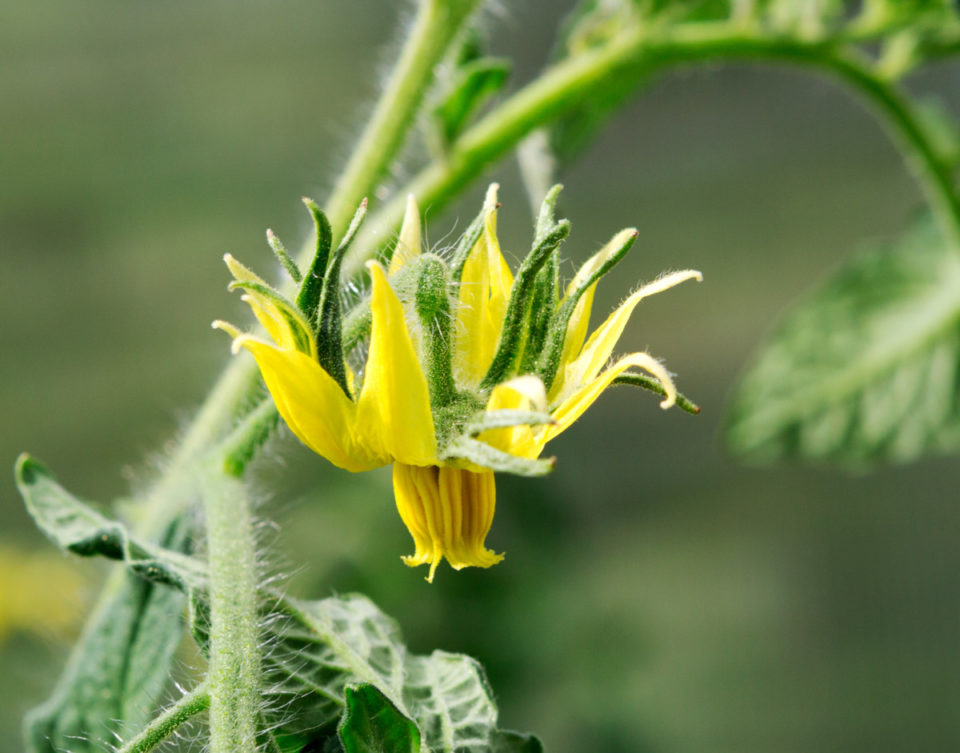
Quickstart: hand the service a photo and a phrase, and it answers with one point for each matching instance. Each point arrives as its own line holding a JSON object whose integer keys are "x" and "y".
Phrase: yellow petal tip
{"x": 226, "y": 327}
{"x": 490, "y": 200}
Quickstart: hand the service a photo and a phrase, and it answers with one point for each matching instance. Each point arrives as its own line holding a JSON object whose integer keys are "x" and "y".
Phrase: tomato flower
{"x": 450, "y": 370}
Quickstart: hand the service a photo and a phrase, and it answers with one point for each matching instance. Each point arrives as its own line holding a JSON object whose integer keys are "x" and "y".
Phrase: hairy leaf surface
{"x": 865, "y": 368}
{"x": 371, "y": 724}
{"x": 313, "y": 650}
{"x": 121, "y": 664}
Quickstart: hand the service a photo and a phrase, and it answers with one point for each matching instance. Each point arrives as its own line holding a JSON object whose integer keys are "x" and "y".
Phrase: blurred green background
{"x": 656, "y": 596}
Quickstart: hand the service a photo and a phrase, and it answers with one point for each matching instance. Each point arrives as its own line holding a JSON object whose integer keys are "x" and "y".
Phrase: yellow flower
{"x": 467, "y": 370}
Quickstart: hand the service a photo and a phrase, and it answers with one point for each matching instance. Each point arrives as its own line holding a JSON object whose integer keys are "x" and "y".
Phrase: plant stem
{"x": 637, "y": 52}
{"x": 161, "y": 727}
{"x": 897, "y": 111}
{"x": 436, "y": 23}
{"x": 234, "y": 673}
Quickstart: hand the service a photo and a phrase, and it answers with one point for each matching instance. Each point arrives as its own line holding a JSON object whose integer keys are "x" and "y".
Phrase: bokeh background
{"x": 656, "y": 596}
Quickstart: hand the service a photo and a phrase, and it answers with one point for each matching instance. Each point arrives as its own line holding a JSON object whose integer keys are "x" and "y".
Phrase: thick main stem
{"x": 234, "y": 675}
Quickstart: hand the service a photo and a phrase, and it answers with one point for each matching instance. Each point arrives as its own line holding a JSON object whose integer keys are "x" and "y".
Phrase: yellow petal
{"x": 408, "y": 243}
{"x": 521, "y": 393}
{"x": 604, "y": 339}
{"x": 484, "y": 294}
{"x": 278, "y": 324}
{"x": 393, "y": 412}
{"x": 448, "y": 512}
{"x": 580, "y": 319}
{"x": 574, "y": 406}
{"x": 312, "y": 403}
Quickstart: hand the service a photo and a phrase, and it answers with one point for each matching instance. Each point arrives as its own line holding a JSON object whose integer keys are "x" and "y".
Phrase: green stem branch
{"x": 636, "y": 53}
{"x": 160, "y": 728}
{"x": 436, "y": 24}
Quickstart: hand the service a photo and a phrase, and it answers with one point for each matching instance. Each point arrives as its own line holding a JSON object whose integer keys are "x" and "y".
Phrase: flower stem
{"x": 161, "y": 727}
{"x": 234, "y": 674}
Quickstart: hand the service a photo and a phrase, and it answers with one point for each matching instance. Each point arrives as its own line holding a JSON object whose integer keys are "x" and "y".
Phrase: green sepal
{"x": 475, "y": 82}
{"x": 433, "y": 307}
{"x": 465, "y": 448}
{"x": 545, "y": 218}
{"x": 546, "y": 290}
{"x": 283, "y": 256}
{"x": 653, "y": 385}
{"x": 356, "y": 325}
{"x": 506, "y": 418}
{"x": 354, "y": 226}
{"x": 514, "y": 333}
{"x": 357, "y": 322}
{"x": 301, "y": 328}
{"x": 372, "y": 724}
{"x": 329, "y": 320}
{"x": 549, "y": 361}
{"x": 308, "y": 299}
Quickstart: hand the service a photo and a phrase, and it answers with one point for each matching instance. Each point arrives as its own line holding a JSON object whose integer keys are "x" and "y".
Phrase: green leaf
{"x": 322, "y": 647}
{"x": 865, "y": 368}
{"x": 371, "y": 724}
{"x": 121, "y": 664}
{"x": 506, "y": 741}
{"x": 316, "y": 649}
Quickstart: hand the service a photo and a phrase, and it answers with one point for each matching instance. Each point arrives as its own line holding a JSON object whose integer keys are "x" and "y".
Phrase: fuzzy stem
{"x": 157, "y": 730}
{"x": 436, "y": 23}
{"x": 234, "y": 674}
{"x": 634, "y": 53}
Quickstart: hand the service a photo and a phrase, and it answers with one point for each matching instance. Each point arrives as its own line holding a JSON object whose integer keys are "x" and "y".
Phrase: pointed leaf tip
{"x": 26, "y": 469}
